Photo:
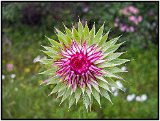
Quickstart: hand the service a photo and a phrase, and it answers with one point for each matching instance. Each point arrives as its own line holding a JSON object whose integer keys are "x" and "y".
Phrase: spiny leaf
{"x": 105, "y": 94}
{"x": 75, "y": 35}
{"x": 96, "y": 87}
{"x": 77, "y": 94}
{"x": 104, "y": 38}
{"x": 54, "y": 80}
{"x": 109, "y": 74}
{"x": 86, "y": 101}
{"x": 112, "y": 56}
{"x": 113, "y": 41}
{"x": 68, "y": 32}
{"x": 88, "y": 91}
{"x": 55, "y": 89}
{"x": 114, "y": 84}
{"x": 98, "y": 34}
{"x": 114, "y": 70}
{"x": 68, "y": 38}
{"x": 71, "y": 100}
{"x": 66, "y": 95}
{"x": 111, "y": 49}
{"x": 60, "y": 94}
{"x": 83, "y": 89}
{"x": 99, "y": 61}
{"x": 101, "y": 78}
{"x": 104, "y": 85}
{"x": 85, "y": 33}
{"x": 80, "y": 29}
{"x": 112, "y": 63}
{"x": 61, "y": 37}
{"x": 52, "y": 55}
{"x": 119, "y": 61}
{"x": 92, "y": 34}
{"x": 96, "y": 96}
{"x": 63, "y": 86}
{"x": 51, "y": 49}
{"x": 46, "y": 61}
{"x": 49, "y": 71}
{"x": 54, "y": 43}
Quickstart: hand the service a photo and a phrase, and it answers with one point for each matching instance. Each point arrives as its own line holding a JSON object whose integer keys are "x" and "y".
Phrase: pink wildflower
{"x": 123, "y": 28}
{"x": 125, "y": 11}
{"x": 131, "y": 29}
{"x": 9, "y": 67}
{"x": 133, "y": 10}
{"x": 140, "y": 18}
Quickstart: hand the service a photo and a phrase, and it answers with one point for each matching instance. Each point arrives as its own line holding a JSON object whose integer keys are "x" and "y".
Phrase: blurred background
{"x": 24, "y": 25}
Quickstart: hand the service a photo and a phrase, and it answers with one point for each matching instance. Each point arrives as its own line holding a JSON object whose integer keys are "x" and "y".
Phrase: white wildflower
{"x": 131, "y": 97}
{"x": 138, "y": 99}
{"x": 144, "y": 97}
{"x": 13, "y": 76}
{"x": 119, "y": 84}
{"x": 3, "y": 77}
{"x": 115, "y": 93}
{"x": 124, "y": 68}
{"x": 113, "y": 89}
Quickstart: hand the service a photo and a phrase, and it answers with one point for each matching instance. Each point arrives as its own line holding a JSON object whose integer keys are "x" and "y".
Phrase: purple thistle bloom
{"x": 77, "y": 66}
{"x": 82, "y": 64}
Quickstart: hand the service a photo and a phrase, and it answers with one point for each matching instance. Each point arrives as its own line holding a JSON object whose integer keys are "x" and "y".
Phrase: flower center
{"x": 79, "y": 63}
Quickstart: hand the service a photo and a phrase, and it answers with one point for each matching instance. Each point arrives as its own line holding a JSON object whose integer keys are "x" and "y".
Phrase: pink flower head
{"x": 132, "y": 18}
{"x": 125, "y": 11}
{"x": 77, "y": 65}
{"x": 123, "y": 28}
{"x": 9, "y": 67}
{"x": 86, "y": 9}
{"x": 131, "y": 29}
{"x": 133, "y": 10}
{"x": 140, "y": 18}
{"x": 116, "y": 19}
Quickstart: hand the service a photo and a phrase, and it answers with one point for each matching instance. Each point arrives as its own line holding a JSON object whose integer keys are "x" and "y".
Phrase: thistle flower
{"x": 82, "y": 64}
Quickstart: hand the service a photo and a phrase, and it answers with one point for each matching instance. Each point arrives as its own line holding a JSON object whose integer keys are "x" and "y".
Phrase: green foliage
{"x": 22, "y": 97}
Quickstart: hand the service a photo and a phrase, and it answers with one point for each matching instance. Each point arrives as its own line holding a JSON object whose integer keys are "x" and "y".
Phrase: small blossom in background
{"x": 115, "y": 93}
{"x": 131, "y": 97}
{"x": 123, "y": 27}
{"x": 119, "y": 84}
{"x": 141, "y": 98}
{"x": 113, "y": 89}
{"x": 3, "y": 77}
{"x": 9, "y": 67}
{"x": 13, "y": 76}
{"x": 85, "y": 9}
{"x": 135, "y": 19}
{"x": 133, "y": 10}
{"x": 123, "y": 68}
{"x": 131, "y": 15}
{"x": 144, "y": 97}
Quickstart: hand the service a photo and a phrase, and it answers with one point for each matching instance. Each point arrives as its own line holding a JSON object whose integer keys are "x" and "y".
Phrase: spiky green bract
{"x": 97, "y": 85}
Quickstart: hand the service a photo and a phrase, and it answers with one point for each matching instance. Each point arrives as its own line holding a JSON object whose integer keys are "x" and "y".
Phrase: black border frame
{"x": 76, "y": 119}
